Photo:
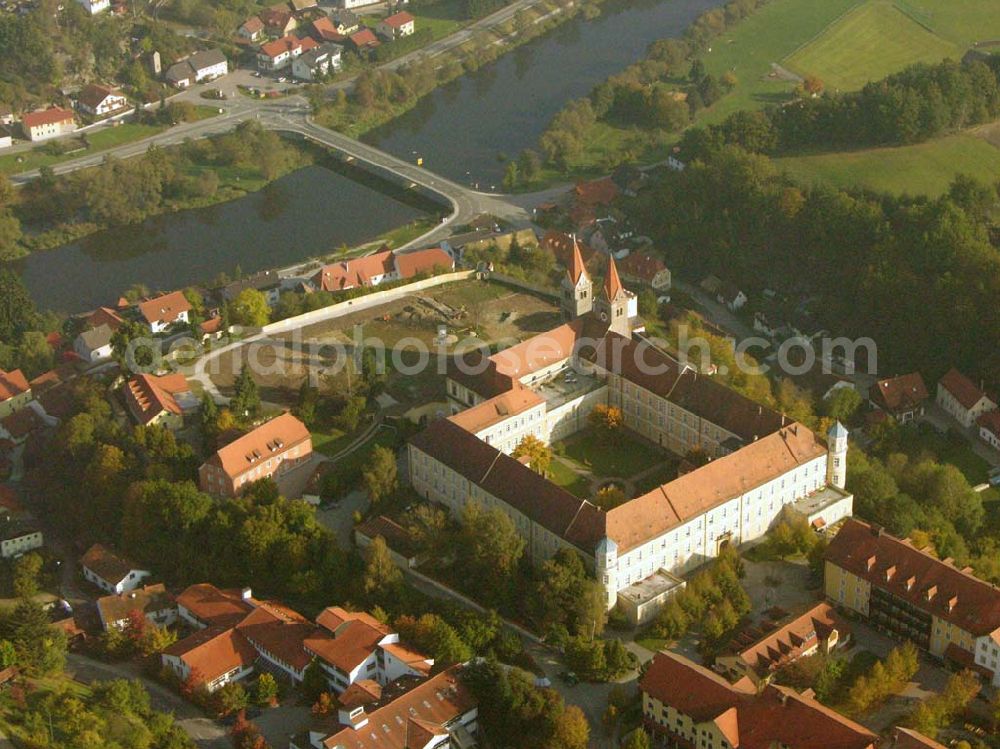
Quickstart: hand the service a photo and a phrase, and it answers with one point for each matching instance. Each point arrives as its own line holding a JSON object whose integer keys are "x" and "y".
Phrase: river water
{"x": 459, "y": 130}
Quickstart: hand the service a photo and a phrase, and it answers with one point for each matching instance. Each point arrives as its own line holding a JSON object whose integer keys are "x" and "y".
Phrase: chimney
{"x": 246, "y": 594}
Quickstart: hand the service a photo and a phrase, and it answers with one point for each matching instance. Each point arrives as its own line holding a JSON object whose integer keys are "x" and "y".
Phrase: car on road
{"x": 569, "y": 678}
{"x": 543, "y": 681}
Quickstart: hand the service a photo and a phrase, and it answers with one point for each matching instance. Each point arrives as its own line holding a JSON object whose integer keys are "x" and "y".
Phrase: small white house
{"x": 110, "y": 572}
{"x": 348, "y": 4}
{"x": 101, "y": 100}
{"x": 397, "y": 25}
{"x": 164, "y": 311}
{"x": 153, "y": 601}
{"x": 962, "y": 398}
{"x": 317, "y": 62}
{"x": 19, "y": 536}
{"x": 201, "y": 66}
{"x": 6, "y": 139}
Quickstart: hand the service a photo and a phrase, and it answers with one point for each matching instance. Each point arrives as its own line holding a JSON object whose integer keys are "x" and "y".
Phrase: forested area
{"x": 915, "y": 105}
{"x": 919, "y": 276}
{"x": 47, "y": 48}
{"x": 119, "y": 192}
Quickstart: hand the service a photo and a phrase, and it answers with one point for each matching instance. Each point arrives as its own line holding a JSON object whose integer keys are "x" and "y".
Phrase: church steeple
{"x": 612, "y": 306}
{"x": 577, "y": 288}
{"x": 612, "y": 283}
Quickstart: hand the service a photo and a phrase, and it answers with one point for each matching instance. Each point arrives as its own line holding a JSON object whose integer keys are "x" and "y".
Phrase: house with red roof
{"x": 903, "y": 397}
{"x": 251, "y": 29}
{"x": 162, "y": 312}
{"x": 364, "y": 41}
{"x": 396, "y": 26}
{"x": 272, "y": 449}
{"x": 278, "y": 54}
{"x": 963, "y": 399}
{"x": 382, "y": 267}
{"x": 989, "y": 428}
{"x": 279, "y": 20}
{"x": 99, "y": 100}
{"x": 48, "y": 123}
{"x": 15, "y": 392}
{"x": 910, "y": 594}
{"x": 162, "y": 400}
{"x": 685, "y": 704}
{"x": 643, "y": 268}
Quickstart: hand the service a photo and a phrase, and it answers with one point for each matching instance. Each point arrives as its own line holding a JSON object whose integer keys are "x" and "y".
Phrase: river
{"x": 505, "y": 106}
{"x": 459, "y": 130}
{"x": 303, "y": 214}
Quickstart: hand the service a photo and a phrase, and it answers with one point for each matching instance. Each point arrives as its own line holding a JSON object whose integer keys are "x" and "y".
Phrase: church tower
{"x": 577, "y": 288}
{"x": 836, "y": 461}
{"x": 612, "y": 306}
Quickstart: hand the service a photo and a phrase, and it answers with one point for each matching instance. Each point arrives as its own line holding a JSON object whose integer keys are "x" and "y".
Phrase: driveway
{"x": 206, "y": 732}
{"x": 340, "y": 517}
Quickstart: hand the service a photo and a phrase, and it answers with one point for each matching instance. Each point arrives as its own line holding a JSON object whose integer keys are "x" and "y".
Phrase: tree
{"x": 40, "y": 648}
{"x": 380, "y": 479}
{"x": 245, "y": 403}
{"x": 10, "y": 235}
{"x": 571, "y": 729}
{"x": 26, "y": 572}
{"x": 539, "y": 454}
{"x": 813, "y": 85}
{"x": 314, "y": 681}
{"x": 382, "y": 577}
{"x": 842, "y": 404}
{"x": 249, "y": 309}
{"x": 231, "y": 698}
{"x": 493, "y": 549}
{"x": 324, "y": 705}
{"x": 609, "y": 497}
{"x": 638, "y": 739}
{"x": 17, "y": 310}
{"x": 511, "y": 176}
{"x": 266, "y": 691}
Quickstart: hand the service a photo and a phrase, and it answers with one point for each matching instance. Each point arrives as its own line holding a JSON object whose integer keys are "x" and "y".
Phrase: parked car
{"x": 569, "y": 678}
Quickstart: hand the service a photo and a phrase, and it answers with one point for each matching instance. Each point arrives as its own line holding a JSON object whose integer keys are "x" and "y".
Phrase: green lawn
{"x": 442, "y": 18}
{"x": 869, "y": 43}
{"x": 622, "y": 456}
{"x": 950, "y": 448}
{"x": 924, "y": 169}
{"x": 331, "y": 441}
{"x": 101, "y": 140}
{"x": 564, "y": 476}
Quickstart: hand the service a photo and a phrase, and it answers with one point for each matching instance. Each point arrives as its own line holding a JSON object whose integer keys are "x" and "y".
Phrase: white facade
{"x": 964, "y": 416}
{"x": 181, "y": 669}
{"x": 309, "y": 66}
{"x": 988, "y": 655}
{"x": 133, "y": 579}
{"x": 6, "y": 140}
{"x": 159, "y": 326}
{"x": 991, "y": 439}
{"x": 93, "y": 7}
{"x": 48, "y": 130}
{"x": 380, "y": 665}
{"x": 110, "y": 103}
{"x": 506, "y": 435}
{"x": 19, "y": 544}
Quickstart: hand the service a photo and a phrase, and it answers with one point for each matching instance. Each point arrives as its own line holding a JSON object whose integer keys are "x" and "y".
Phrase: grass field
{"x": 869, "y": 43}
{"x": 623, "y": 457}
{"x": 100, "y": 140}
{"x": 924, "y": 169}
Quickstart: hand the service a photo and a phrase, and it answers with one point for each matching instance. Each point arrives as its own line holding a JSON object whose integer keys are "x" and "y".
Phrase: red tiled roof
{"x": 148, "y": 599}
{"x": 562, "y": 246}
{"x": 164, "y": 309}
{"x": 539, "y": 351}
{"x": 214, "y": 651}
{"x": 642, "y": 266}
{"x": 901, "y": 393}
{"x": 990, "y": 421}
{"x": 348, "y": 647}
{"x": 48, "y": 116}
{"x": 8, "y": 499}
{"x": 252, "y": 25}
{"x": 965, "y": 390}
{"x": 788, "y": 642}
{"x": 360, "y": 693}
{"x": 396, "y": 20}
{"x": 409, "y": 264}
{"x": 21, "y": 423}
{"x": 12, "y": 384}
{"x": 503, "y": 406}
{"x": 432, "y": 704}
{"x": 364, "y": 38}
{"x": 212, "y": 325}
{"x": 280, "y": 46}
{"x": 955, "y": 596}
{"x": 356, "y": 272}
{"x": 147, "y": 396}
{"x": 279, "y": 632}
{"x": 104, "y": 316}
{"x": 326, "y": 29}
{"x": 275, "y": 436}
{"x": 750, "y": 720}
{"x": 212, "y": 606}
{"x": 576, "y": 268}
{"x": 333, "y": 617}
{"x": 907, "y": 738}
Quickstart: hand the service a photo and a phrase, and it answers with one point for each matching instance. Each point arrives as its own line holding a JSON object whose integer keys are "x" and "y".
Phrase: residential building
{"x": 101, "y": 100}
{"x": 48, "y": 123}
{"x": 93, "y": 7}
{"x": 19, "y": 536}
{"x": 364, "y": 41}
{"x": 912, "y": 595}
{"x": 962, "y": 398}
{"x": 437, "y": 713}
{"x": 907, "y": 738}
{"x": 546, "y": 386}
{"x": 161, "y": 400}
{"x": 396, "y": 26}
{"x": 725, "y": 293}
{"x": 903, "y": 397}
{"x": 6, "y": 138}
{"x": 165, "y": 311}
{"x": 111, "y": 572}
{"x": 278, "y": 55}
{"x": 819, "y": 630}
{"x": 279, "y": 20}
{"x": 299, "y": 6}
{"x": 317, "y": 62}
{"x": 234, "y": 631}
{"x": 15, "y": 392}
{"x": 152, "y": 601}
{"x": 94, "y": 344}
{"x": 267, "y": 282}
{"x": 350, "y": 4}
{"x": 688, "y": 705}
{"x": 640, "y": 267}
{"x": 274, "y": 448}
{"x": 7, "y": 117}
{"x": 251, "y": 29}
{"x": 206, "y": 65}
{"x": 336, "y": 27}
{"x": 989, "y": 428}
{"x": 18, "y": 426}
{"x": 382, "y": 267}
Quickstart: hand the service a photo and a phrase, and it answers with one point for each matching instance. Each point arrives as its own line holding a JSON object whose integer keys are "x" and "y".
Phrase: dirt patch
{"x": 990, "y": 133}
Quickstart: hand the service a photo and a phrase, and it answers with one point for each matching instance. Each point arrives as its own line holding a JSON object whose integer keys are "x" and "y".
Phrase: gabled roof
{"x": 252, "y": 25}
{"x": 642, "y": 266}
{"x": 206, "y": 58}
{"x": 278, "y": 631}
{"x": 409, "y": 264}
{"x": 214, "y": 651}
{"x": 397, "y": 20}
{"x": 12, "y": 384}
{"x": 349, "y": 646}
{"x": 907, "y": 738}
{"x": 278, "y": 47}
{"x": 965, "y": 391}
{"x": 596, "y": 192}
{"x": 790, "y": 640}
{"x": 364, "y": 38}
{"x": 272, "y": 437}
{"x": 93, "y": 95}
{"x": 360, "y": 693}
{"x": 147, "y": 396}
{"x": 325, "y": 29}
{"x": 540, "y": 351}
{"x": 164, "y": 309}
{"x": 49, "y": 116}
{"x": 97, "y": 338}
{"x": 355, "y": 272}
{"x": 148, "y": 599}
{"x": 900, "y": 393}
{"x": 215, "y": 607}
{"x": 990, "y": 421}
{"x": 488, "y": 413}
{"x": 106, "y": 564}
{"x": 104, "y": 316}
{"x": 916, "y": 576}
{"x": 561, "y": 245}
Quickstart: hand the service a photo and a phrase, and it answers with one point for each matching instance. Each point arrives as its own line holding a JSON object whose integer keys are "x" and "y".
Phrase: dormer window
{"x": 910, "y": 581}
{"x": 889, "y": 573}
{"x": 870, "y": 563}
{"x": 931, "y": 592}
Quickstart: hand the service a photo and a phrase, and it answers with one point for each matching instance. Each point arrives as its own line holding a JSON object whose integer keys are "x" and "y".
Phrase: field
{"x": 924, "y": 169}
{"x": 101, "y": 140}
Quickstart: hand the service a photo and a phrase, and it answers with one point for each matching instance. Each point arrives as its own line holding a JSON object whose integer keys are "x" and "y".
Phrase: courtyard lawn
{"x": 950, "y": 448}
{"x": 469, "y": 293}
{"x": 923, "y": 169}
{"x": 869, "y": 43}
{"x": 562, "y": 475}
{"x": 621, "y": 455}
